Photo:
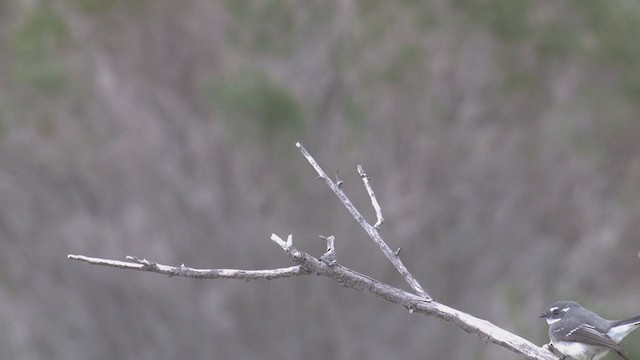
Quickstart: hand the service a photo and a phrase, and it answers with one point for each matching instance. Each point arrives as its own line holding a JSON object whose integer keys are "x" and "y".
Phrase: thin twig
{"x": 145, "y": 265}
{"x": 372, "y": 196}
{"x": 329, "y": 256}
{"x": 372, "y": 231}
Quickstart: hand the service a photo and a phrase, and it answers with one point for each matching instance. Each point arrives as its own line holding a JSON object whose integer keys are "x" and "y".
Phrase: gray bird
{"x": 580, "y": 334}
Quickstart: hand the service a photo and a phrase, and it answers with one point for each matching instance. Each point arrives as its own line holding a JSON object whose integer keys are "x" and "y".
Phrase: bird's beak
{"x": 542, "y": 316}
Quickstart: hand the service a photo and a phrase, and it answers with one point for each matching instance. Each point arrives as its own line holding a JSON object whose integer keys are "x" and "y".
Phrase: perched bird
{"x": 580, "y": 334}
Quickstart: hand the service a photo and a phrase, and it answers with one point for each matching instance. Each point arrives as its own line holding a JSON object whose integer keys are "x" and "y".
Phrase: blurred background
{"x": 501, "y": 136}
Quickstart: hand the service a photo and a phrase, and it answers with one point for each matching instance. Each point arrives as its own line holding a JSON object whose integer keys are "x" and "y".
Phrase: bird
{"x": 580, "y": 334}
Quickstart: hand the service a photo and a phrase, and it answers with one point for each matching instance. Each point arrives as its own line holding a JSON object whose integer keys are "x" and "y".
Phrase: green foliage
{"x": 274, "y": 26}
{"x": 406, "y": 65}
{"x": 2, "y": 123}
{"x": 355, "y": 112}
{"x": 615, "y": 26}
{"x": 521, "y": 80}
{"x": 377, "y": 15}
{"x": 36, "y": 45}
{"x": 10, "y": 114}
{"x": 94, "y": 6}
{"x": 42, "y": 31}
{"x": 374, "y": 19}
{"x": 425, "y": 16}
{"x": 609, "y": 145}
{"x": 612, "y": 27}
{"x": 255, "y": 106}
{"x": 558, "y": 38}
{"x": 46, "y": 75}
{"x": 356, "y": 116}
{"x": 615, "y": 29}
{"x": 98, "y": 7}
{"x": 507, "y": 19}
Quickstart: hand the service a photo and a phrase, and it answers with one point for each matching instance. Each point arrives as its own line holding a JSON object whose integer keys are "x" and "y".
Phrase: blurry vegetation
{"x": 609, "y": 29}
{"x": 376, "y": 17}
{"x": 2, "y": 121}
{"x": 610, "y": 144}
{"x": 507, "y": 19}
{"x": 373, "y": 19}
{"x": 607, "y": 32}
{"x": 424, "y": 14}
{"x": 36, "y": 45}
{"x": 98, "y": 6}
{"x": 559, "y": 82}
{"x": 256, "y": 107}
{"x": 613, "y": 33}
{"x": 406, "y": 66}
{"x": 274, "y": 26}
{"x": 557, "y": 38}
{"x": 520, "y": 80}
{"x": 615, "y": 28}
{"x": 355, "y": 115}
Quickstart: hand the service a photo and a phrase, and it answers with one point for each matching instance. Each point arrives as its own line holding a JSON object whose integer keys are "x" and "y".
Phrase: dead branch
{"x": 329, "y": 267}
{"x": 372, "y": 195}
{"x": 371, "y": 231}
{"x": 183, "y": 271}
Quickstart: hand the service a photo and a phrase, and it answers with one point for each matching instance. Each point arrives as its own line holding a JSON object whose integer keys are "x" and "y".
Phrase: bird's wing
{"x": 588, "y": 334}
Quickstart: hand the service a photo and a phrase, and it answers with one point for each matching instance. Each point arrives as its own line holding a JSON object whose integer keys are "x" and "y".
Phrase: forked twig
{"x": 328, "y": 266}
{"x": 372, "y": 231}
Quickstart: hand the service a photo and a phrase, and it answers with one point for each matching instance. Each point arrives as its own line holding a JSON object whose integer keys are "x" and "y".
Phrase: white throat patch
{"x": 551, "y": 321}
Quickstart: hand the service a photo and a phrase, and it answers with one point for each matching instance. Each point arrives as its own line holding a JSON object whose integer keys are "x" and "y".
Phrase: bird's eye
{"x": 555, "y": 312}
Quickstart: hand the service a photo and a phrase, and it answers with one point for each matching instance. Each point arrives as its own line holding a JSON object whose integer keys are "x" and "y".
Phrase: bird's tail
{"x": 629, "y": 321}
{"x": 622, "y": 328}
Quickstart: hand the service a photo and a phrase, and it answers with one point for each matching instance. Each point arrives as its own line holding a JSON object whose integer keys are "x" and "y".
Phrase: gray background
{"x": 501, "y": 137}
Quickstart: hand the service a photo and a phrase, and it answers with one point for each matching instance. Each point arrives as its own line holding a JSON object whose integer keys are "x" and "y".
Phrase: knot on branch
{"x": 146, "y": 264}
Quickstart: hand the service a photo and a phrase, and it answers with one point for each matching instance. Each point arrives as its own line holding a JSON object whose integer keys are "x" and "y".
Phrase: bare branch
{"x": 485, "y": 330}
{"x": 307, "y": 264}
{"x": 145, "y": 265}
{"x": 372, "y": 195}
{"x": 372, "y": 231}
{"x": 328, "y": 266}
